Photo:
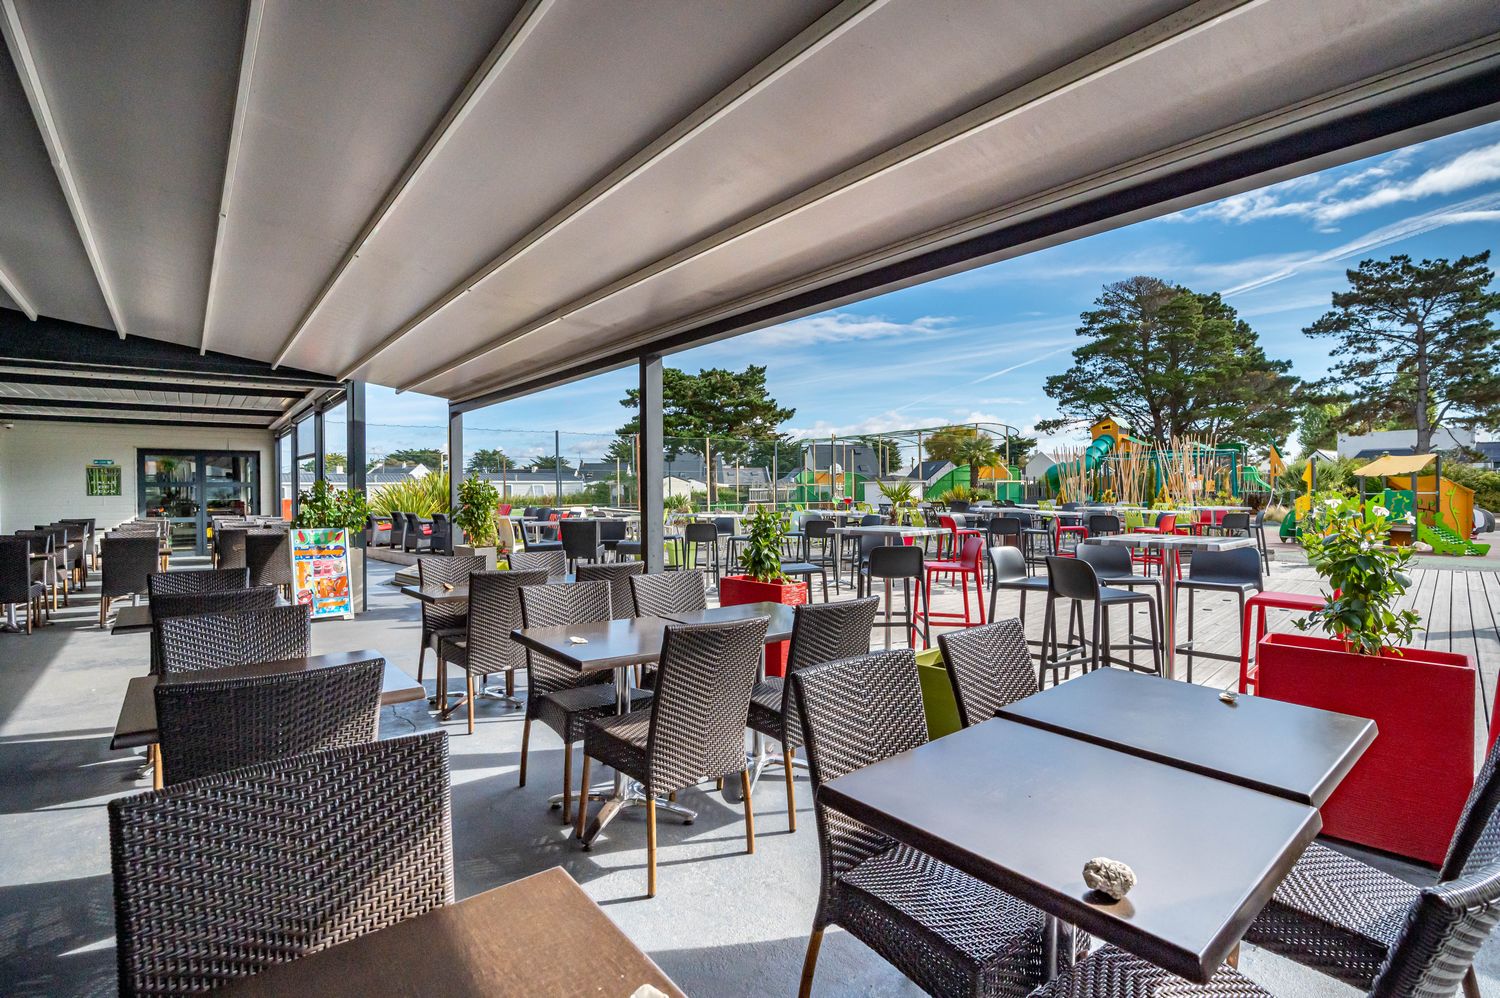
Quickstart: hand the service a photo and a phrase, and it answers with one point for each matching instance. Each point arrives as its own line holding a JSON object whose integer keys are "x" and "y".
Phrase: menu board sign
{"x": 320, "y": 571}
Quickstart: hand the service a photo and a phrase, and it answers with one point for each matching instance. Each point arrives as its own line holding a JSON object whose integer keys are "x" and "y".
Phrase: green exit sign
{"x": 103, "y": 461}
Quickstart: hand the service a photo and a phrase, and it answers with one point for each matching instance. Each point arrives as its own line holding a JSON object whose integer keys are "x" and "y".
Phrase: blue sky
{"x": 978, "y": 345}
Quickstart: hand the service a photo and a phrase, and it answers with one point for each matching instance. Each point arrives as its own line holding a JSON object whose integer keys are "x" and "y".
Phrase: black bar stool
{"x": 698, "y": 535}
{"x": 1008, "y": 572}
{"x": 1116, "y": 568}
{"x": 889, "y": 563}
{"x": 1075, "y": 579}
{"x": 1234, "y": 571}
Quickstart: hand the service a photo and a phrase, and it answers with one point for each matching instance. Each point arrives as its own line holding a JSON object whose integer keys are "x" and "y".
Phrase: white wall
{"x": 42, "y": 467}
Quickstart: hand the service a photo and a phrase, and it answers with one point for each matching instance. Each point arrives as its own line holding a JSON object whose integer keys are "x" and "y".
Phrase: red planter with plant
{"x": 763, "y": 581}
{"x": 1405, "y": 794}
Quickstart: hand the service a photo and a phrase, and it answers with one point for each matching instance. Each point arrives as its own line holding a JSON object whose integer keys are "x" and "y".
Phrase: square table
{"x": 556, "y": 941}
{"x": 780, "y": 617}
{"x": 1023, "y": 809}
{"x": 136, "y": 725}
{"x": 1171, "y": 546}
{"x": 1285, "y": 749}
{"x": 437, "y": 593}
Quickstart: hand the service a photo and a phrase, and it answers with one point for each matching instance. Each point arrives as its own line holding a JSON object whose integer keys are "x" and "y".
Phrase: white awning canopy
{"x": 477, "y": 199}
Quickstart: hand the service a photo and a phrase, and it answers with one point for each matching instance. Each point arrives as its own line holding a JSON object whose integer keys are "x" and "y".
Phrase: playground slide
{"x": 1096, "y": 453}
{"x": 1445, "y": 541}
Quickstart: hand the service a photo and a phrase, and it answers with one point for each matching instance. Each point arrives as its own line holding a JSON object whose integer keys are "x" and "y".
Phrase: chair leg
{"x": 583, "y": 796}
{"x": 469, "y": 687}
{"x": 103, "y": 609}
{"x": 791, "y": 793}
{"x": 651, "y": 847}
{"x": 421, "y": 657}
{"x": 1471, "y": 984}
{"x": 567, "y": 801}
{"x": 810, "y": 963}
{"x": 525, "y": 742}
{"x": 1189, "y": 655}
{"x": 749, "y": 812}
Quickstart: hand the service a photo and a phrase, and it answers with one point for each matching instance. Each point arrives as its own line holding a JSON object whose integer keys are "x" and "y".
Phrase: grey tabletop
{"x": 1196, "y": 542}
{"x": 137, "y": 722}
{"x": 459, "y": 593}
{"x": 605, "y": 645}
{"x": 888, "y": 530}
{"x": 1279, "y": 748}
{"x": 1023, "y": 809}
{"x": 780, "y": 617}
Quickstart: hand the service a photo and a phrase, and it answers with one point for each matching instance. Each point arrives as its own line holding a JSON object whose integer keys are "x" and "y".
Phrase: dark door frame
{"x": 200, "y": 482}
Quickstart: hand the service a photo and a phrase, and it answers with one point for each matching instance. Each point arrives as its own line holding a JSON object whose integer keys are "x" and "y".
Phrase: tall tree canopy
{"x": 550, "y": 462}
{"x": 1416, "y": 338}
{"x": 490, "y": 460}
{"x": 1171, "y": 362}
{"x": 954, "y": 443}
{"x": 732, "y": 407}
{"x": 429, "y": 457}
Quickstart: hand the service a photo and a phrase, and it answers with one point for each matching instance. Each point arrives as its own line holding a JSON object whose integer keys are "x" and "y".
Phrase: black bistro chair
{"x": 128, "y": 560}
{"x": 20, "y": 579}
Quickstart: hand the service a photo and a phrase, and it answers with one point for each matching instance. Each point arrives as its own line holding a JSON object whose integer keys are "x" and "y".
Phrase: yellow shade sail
{"x": 1395, "y": 464}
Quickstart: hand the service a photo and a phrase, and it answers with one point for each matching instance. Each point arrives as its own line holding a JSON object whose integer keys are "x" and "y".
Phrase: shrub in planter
{"x": 339, "y": 509}
{"x": 478, "y": 499}
{"x": 1406, "y": 793}
{"x": 763, "y": 581}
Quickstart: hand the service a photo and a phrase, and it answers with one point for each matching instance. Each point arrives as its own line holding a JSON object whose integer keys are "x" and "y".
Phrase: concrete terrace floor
{"x": 723, "y": 924}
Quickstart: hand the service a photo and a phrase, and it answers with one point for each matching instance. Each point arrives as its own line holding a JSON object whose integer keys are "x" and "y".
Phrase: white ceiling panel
{"x": 477, "y": 196}
{"x": 142, "y": 95}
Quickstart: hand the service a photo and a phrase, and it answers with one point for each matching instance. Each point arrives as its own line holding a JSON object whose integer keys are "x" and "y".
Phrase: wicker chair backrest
{"x": 450, "y": 570}
{"x": 618, "y": 575}
{"x": 554, "y": 562}
{"x": 217, "y": 640}
{"x": 702, "y": 700}
{"x": 268, "y": 555}
{"x": 495, "y": 611}
{"x": 198, "y": 581}
{"x": 127, "y": 562}
{"x": 669, "y": 592}
{"x": 551, "y": 606}
{"x": 15, "y": 570}
{"x": 1443, "y": 932}
{"x": 198, "y": 604}
{"x": 224, "y": 876}
{"x": 1476, "y": 840}
{"x": 211, "y": 725}
{"x": 989, "y": 666}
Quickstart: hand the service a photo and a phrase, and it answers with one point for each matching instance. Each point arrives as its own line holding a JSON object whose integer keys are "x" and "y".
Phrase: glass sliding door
{"x": 187, "y": 488}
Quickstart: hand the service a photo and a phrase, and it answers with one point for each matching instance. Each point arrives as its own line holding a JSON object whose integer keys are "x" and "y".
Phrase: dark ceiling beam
{"x": 158, "y": 384}
{"x": 70, "y": 345}
{"x": 123, "y": 406}
{"x": 105, "y": 420}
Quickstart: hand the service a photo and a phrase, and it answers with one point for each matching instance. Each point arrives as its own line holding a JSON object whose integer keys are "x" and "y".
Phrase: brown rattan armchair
{"x": 618, "y": 574}
{"x": 820, "y": 633}
{"x": 166, "y": 607}
{"x": 197, "y": 582}
{"x": 443, "y": 619}
{"x": 694, "y": 729}
{"x": 210, "y": 725}
{"x": 557, "y": 695}
{"x": 669, "y": 592}
{"x": 128, "y": 559}
{"x": 223, "y": 876}
{"x": 485, "y": 647}
{"x": 19, "y": 581}
{"x": 989, "y": 667}
{"x": 947, "y": 931}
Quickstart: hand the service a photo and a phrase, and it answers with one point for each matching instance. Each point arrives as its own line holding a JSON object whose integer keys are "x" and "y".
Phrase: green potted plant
{"x": 1405, "y": 794}
{"x": 338, "y": 509}
{"x": 763, "y": 581}
{"x": 478, "y": 499}
{"x": 903, "y": 500}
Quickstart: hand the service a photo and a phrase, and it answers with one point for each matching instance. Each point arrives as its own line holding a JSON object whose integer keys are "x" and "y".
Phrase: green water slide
{"x": 1096, "y": 453}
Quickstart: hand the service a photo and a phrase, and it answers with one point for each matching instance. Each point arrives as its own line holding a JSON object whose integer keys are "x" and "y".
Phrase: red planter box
{"x": 736, "y": 590}
{"x": 1405, "y": 794}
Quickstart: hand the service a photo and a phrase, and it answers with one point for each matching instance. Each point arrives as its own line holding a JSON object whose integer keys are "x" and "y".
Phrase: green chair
{"x": 938, "y": 701}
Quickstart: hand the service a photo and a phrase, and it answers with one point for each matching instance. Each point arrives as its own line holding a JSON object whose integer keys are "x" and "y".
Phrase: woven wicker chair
{"x": 556, "y": 694}
{"x": 989, "y": 667}
{"x": 550, "y": 560}
{"x": 43, "y": 570}
{"x": 128, "y": 559}
{"x": 694, "y": 729}
{"x": 70, "y": 539}
{"x": 222, "y": 877}
{"x": 948, "y": 932}
{"x": 218, "y": 640}
{"x": 19, "y": 583}
{"x": 669, "y": 592}
{"x": 208, "y": 580}
{"x": 268, "y": 555}
{"x": 198, "y": 604}
{"x": 440, "y": 620}
{"x": 229, "y": 547}
{"x": 618, "y": 574}
{"x": 86, "y": 531}
{"x": 62, "y": 557}
{"x": 1343, "y": 917}
{"x": 211, "y": 725}
{"x": 485, "y": 646}
{"x": 1439, "y": 933}
{"x": 820, "y": 633}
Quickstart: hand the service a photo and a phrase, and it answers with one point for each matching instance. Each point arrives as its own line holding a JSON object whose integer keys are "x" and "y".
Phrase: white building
{"x": 1400, "y": 442}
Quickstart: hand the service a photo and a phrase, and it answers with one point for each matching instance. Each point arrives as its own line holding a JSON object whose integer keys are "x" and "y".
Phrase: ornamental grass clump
{"x": 761, "y": 556}
{"x": 1349, "y": 545}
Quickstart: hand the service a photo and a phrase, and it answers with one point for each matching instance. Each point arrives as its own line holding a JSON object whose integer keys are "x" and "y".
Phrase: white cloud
{"x": 842, "y": 327}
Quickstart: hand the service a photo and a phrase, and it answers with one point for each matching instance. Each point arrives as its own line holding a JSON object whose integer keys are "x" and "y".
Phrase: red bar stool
{"x": 957, "y": 536}
{"x": 1077, "y": 531}
{"x": 1166, "y": 523}
{"x": 1258, "y": 605}
{"x": 969, "y": 562}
